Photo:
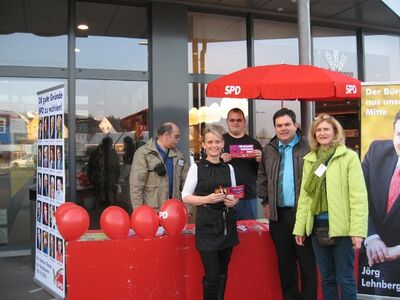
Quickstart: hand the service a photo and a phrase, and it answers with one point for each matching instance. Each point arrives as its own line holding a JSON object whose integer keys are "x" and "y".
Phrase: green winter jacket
{"x": 346, "y": 196}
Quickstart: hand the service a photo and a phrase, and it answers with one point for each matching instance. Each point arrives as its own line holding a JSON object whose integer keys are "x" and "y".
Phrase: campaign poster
{"x": 379, "y": 257}
{"x": 50, "y": 254}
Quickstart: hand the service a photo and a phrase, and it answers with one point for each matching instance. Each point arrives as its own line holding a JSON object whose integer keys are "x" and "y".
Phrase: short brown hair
{"x": 339, "y": 138}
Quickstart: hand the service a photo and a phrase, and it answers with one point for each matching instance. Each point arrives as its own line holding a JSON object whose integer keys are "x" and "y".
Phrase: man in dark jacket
{"x": 278, "y": 184}
{"x": 381, "y": 167}
{"x": 104, "y": 171}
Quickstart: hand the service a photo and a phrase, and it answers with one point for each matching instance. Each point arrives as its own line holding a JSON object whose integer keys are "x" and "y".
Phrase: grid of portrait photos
{"x": 50, "y": 185}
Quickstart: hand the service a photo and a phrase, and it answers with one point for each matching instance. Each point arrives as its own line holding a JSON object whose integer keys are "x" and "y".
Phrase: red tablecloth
{"x": 167, "y": 268}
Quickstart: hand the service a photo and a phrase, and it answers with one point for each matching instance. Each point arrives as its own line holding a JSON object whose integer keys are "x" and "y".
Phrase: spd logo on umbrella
{"x": 351, "y": 89}
{"x": 232, "y": 89}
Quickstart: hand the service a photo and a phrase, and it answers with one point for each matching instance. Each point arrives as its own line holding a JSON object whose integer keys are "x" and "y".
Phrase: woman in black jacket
{"x": 216, "y": 232}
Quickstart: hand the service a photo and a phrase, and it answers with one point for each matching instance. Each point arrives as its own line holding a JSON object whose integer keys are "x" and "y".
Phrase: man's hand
{"x": 257, "y": 153}
{"x": 267, "y": 211}
{"x": 226, "y": 157}
{"x": 393, "y": 253}
{"x": 376, "y": 251}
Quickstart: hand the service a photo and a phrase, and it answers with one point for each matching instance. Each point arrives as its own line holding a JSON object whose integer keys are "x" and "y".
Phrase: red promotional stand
{"x": 168, "y": 267}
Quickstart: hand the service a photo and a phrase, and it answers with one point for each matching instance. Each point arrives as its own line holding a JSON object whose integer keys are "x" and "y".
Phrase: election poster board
{"x": 50, "y": 254}
{"x": 380, "y": 103}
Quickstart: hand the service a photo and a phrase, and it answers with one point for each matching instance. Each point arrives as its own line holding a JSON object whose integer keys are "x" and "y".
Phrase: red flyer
{"x": 237, "y": 191}
{"x": 242, "y": 151}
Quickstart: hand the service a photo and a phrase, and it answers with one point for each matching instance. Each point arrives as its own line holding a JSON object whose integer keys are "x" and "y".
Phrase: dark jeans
{"x": 336, "y": 264}
{"x": 215, "y": 263}
{"x": 292, "y": 257}
{"x": 246, "y": 209}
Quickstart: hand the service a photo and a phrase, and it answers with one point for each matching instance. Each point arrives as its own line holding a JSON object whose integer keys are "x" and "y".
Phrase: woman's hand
{"x": 300, "y": 240}
{"x": 215, "y": 198}
{"x": 230, "y": 200}
{"x": 356, "y": 242}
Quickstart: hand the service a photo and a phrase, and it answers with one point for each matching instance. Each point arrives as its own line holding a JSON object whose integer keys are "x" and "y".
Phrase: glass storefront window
{"x": 217, "y": 43}
{"x": 116, "y": 37}
{"x": 382, "y": 58}
{"x": 40, "y": 24}
{"x": 274, "y": 43}
{"x": 108, "y": 109}
{"x": 18, "y": 155}
{"x": 335, "y": 50}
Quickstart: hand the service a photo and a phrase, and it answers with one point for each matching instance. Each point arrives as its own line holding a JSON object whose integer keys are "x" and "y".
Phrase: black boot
{"x": 210, "y": 289}
{"x": 221, "y": 288}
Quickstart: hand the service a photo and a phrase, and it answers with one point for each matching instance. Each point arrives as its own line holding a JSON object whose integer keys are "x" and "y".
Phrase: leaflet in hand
{"x": 236, "y": 191}
{"x": 242, "y": 151}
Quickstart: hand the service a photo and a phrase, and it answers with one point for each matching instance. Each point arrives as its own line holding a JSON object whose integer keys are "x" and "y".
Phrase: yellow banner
{"x": 379, "y": 104}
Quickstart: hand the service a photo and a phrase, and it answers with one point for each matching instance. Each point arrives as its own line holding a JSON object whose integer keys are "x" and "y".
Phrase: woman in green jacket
{"x": 333, "y": 207}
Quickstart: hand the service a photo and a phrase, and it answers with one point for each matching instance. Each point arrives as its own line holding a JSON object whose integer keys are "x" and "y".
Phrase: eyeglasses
{"x": 235, "y": 120}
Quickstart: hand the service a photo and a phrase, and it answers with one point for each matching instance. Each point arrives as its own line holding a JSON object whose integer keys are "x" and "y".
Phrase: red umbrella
{"x": 286, "y": 82}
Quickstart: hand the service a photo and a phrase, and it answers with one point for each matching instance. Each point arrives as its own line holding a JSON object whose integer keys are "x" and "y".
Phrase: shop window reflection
{"x": 19, "y": 123}
{"x": 108, "y": 110}
{"x": 216, "y": 43}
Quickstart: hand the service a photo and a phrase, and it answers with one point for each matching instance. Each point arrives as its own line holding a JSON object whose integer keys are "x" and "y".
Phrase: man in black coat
{"x": 381, "y": 166}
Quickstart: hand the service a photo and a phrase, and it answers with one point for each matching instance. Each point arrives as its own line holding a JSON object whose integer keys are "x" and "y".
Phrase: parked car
{"x": 26, "y": 162}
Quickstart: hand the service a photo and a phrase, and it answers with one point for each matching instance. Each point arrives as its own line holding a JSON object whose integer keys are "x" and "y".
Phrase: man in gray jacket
{"x": 278, "y": 184}
{"x": 158, "y": 170}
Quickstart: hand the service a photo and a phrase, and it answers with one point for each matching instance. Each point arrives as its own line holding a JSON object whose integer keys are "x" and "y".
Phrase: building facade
{"x": 127, "y": 66}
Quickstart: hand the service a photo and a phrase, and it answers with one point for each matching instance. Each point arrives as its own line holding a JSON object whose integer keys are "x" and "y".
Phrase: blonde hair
{"x": 338, "y": 139}
{"x": 218, "y": 130}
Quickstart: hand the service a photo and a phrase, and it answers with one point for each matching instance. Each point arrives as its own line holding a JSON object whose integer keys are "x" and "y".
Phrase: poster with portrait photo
{"x": 50, "y": 270}
{"x": 39, "y": 239}
{"x": 52, "y": 246}
{"x": 52, "y": 163}
{"x": 39, "y": 156}
{"x": 45, "y": 159}
{"x": 39, "y": 211}
{"x": 379, "y": 257}
{"x": 59, "y": 158}
{"x": 59, "y": 126}
{"x": 40, "y": 129}
{"x": 52, "y": 187}
{"x": 45, "y": 128}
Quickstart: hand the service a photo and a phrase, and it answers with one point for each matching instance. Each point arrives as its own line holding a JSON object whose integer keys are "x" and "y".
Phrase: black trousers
{"x": 215, "y": 263}
{"x": 293, "y": 258}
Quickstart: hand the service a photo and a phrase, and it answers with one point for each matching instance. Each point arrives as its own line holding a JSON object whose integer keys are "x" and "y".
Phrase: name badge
{"x": 181, "y": 162}
{"x": 320, "y": 170}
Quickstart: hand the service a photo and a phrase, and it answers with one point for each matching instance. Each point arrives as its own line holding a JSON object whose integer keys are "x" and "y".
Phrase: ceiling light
{"x": 83, "y": 27}
{"x": 279, "y": 9}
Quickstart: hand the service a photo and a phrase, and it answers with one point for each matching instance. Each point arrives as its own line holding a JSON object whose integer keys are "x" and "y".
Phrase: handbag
{"x": 322, "y": 234}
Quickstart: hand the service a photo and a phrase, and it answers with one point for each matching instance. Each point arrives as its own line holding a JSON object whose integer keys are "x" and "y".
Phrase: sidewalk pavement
{"x": 16, "y": 280}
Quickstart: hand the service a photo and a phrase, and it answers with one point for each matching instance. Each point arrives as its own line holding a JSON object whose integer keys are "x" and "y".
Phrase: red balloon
{"x": 72, "y": 222}
{"x": 145, "y": 221}
{"x": 62, "y": 207}
{"x": 173, "y": 216}
{"x": 115, "y": 223}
